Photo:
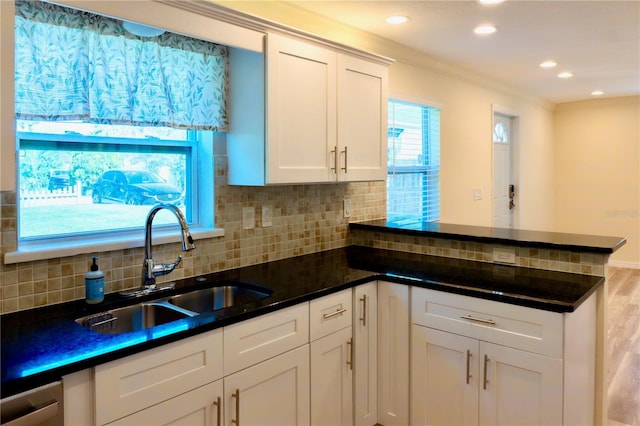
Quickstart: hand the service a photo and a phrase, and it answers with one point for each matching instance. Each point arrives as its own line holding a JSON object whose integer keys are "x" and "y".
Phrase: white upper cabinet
{"x": 362, "y": 119}
{"x": 301, "y": 111}
{"x": 306, "y": 113}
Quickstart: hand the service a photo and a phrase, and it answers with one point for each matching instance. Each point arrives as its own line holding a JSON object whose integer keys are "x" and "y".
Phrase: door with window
{"x": 504, "y": 190}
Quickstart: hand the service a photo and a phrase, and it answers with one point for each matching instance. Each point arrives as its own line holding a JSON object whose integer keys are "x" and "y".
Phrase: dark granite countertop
{"x": 41, "y": 345}
{"x": 506, "y": 236}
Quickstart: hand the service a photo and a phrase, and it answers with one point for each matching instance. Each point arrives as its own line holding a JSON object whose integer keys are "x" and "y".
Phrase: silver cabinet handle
{"x": 236, "y": 395}
{"x": 485, "y": 381}
{"x": 363, "y": 318}
{"x": 350, "y": 348}
{"x": 336, "y": 313}
{"x": 482, "y": 320}
{"x": 218, "y": 404}
{"x": 334, "y": 151}
{"x": 468, "y": 369}
{"x": 37, "y": 416}
{"x": 345, "y": 160}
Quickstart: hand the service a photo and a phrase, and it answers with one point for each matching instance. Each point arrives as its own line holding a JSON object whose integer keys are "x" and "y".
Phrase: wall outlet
{"x": 346, "y": 205}
{"x": 266, "y": 216}
{"x": 504, "y": 255}
{"x": 248, "y": 218}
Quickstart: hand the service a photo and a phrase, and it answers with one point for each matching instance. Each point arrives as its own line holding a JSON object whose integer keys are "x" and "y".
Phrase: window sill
{"x": 43, "y": 251}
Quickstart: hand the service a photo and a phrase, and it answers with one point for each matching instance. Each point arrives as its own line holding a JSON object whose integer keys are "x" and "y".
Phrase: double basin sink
{"x": 172, "y": 308}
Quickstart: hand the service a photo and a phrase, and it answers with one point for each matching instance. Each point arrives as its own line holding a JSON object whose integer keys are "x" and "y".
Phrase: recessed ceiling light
{"x": 548, "y": 64}
{"x": 565, "y": 74}
{"x": 491, "y": 1}
{"x": 484, "y": 29}
{"x": 597, "y": 93}
{"x": 397, "y": 19}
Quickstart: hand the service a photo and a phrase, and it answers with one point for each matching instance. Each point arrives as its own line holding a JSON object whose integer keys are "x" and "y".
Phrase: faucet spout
{"x": 149, "y": 269}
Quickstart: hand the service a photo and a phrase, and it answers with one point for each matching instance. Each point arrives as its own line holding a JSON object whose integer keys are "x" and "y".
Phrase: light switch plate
{"x": 346, "y": 205}
{"x": 248, "y": 218}
{"x": 266, "y": 216}
{"x": 477, "y": 194}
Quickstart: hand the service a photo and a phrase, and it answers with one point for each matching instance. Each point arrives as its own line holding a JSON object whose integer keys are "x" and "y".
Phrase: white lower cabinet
{"x": 458, "y": 380}
{"x": 480, "y": 362}
{"x": 273, "y": 392}
{"x": 200, "y": 407}
{"x": 365, "y": 347}
{"x": 380, "y": 353}
{"x": 332, "y": 379}
{"x": 331, "y": 359}
{"x": 393, "y": 354}
{"x": 127, "y": 386}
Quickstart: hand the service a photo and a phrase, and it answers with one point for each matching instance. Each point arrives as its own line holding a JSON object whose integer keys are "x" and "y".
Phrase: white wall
{"x": 466, "y": 128}
{"x": 597, "y": 150}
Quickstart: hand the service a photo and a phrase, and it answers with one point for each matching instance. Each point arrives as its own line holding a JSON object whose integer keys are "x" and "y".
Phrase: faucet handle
{"x": 165, "y": 268}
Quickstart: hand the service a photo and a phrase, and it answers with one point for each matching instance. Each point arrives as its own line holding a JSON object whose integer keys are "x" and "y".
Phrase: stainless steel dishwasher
{"x": 40, "y": 406}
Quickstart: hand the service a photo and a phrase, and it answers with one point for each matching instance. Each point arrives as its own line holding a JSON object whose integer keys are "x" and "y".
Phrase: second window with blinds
{"x": 413, "y": 182}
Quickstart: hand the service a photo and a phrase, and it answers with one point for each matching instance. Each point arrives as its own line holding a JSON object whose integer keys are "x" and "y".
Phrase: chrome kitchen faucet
{"x": 149, "y": 269}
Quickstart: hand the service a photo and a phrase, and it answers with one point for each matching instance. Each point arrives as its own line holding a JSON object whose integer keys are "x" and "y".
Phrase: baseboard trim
{"x": 625, "y": 265}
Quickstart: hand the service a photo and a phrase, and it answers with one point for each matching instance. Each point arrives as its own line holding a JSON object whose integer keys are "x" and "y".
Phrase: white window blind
{"x": 413, "y": 184}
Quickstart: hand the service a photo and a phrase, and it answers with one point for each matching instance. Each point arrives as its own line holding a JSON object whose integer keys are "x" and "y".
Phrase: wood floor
{"x": 624, "y": 347}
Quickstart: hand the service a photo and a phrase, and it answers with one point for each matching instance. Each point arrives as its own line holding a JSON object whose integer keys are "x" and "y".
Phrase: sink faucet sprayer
{"x": 149, "y": 269}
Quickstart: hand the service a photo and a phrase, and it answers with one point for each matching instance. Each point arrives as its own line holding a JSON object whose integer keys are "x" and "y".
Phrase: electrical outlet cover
{"x": 248, "y": 218}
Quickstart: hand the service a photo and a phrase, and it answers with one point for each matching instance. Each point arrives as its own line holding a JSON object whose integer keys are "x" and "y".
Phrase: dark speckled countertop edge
{"x": 489, "y": 235}
{"x": 41, "y": 337}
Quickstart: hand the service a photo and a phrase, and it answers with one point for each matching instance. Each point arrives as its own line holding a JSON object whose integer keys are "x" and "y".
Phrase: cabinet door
{"x": 362, "y": 119}
{"x": 301, "y": 111}
{"x": 393, "y": 354}
{"x": 136, "y": 382}
{"x": 365, "y": 364}
{"x": 444, "y": 378}
{"x": 519, "y": 388}
{"x": 200, "y": 407}
{"x": 274, "y": 392}
{"x": 332, "y": 379}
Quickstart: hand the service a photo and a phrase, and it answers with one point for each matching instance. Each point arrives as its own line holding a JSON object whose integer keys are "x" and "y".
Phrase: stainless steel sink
{"x": 215, "y": 298}
{"x": 168, "y": 309}
{"x": 133, "y": 318}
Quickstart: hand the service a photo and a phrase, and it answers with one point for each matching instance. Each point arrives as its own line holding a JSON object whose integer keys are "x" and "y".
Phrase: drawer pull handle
{"x": 236, "y": 395}
{"x": 363, "y": 318}
{"x": 217, "y": 403}
{"x": 350, "y": 349}
{"x": 334, "y": 314}
{"x": 482, "y": 320}
{"x": 468, "y": 368}
{"x": 485, "y": 381}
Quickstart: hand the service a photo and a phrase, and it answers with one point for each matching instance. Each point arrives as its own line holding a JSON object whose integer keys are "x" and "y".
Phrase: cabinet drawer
{"x": 139, "y": 381}
{"x": 519, "y": 327}
{"x": 329, "y": 314}
{"x": 255, "y": 340}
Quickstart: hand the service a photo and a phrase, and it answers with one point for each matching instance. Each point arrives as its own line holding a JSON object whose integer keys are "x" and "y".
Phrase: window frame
{"x": 421, "y": 170}
{"x": 201, "y": 223}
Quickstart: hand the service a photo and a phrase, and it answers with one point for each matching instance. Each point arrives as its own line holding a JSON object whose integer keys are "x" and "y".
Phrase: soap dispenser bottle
{"x": 94, "y": 284}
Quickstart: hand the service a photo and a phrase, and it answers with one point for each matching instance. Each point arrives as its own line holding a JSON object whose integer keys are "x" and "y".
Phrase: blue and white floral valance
{"x": 73, "y": 65}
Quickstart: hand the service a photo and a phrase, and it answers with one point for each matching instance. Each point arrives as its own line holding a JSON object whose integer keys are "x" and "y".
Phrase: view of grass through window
{"x": 71, "y": 184}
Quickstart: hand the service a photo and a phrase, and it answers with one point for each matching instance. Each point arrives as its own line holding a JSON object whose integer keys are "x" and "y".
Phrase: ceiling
{"x": 598, "y": 40}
